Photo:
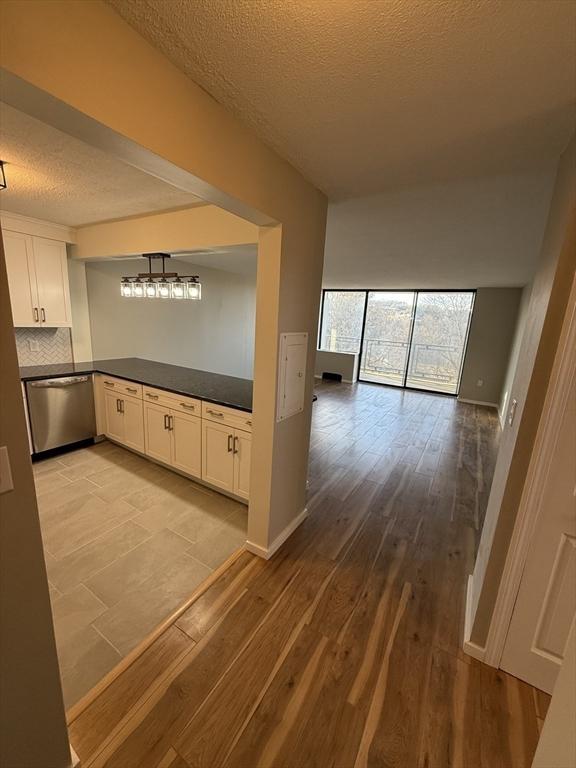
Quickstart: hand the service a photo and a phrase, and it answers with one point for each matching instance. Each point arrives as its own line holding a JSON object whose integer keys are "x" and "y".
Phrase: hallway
{"x": 344, "y": 649}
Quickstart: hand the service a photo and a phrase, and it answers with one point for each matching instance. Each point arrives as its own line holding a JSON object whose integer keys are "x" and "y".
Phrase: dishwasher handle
{"x": 57, "y": 383}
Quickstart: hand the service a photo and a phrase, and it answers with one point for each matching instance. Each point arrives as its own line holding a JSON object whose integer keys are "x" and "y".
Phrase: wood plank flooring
{"x": 344, "y": 650}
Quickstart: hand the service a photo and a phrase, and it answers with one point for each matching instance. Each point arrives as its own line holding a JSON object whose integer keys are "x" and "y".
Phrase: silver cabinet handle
{"x": 230, "y": 439}
{"x": 131, "y": 389}
{"x": 36, "y": 315}
{"x": 121, "y": 406}
{"x": 109, "y": 383}
{"x": 151, "y": 396}
{"x": 43, "y": 314}
{"x": 236, "y": 444}
{"x": 118, "y": 405}
{"x": 215, "y": 413}
{"x": 248, "y": 423}
{"x": 191, "y": 407}
{"x": 166, "y": 421}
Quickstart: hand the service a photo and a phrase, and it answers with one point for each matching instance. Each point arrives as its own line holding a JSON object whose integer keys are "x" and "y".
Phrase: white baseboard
{"x": 469, "y": 647}
{"x": 267, "y": 553}
{"x": 478, "y": 402}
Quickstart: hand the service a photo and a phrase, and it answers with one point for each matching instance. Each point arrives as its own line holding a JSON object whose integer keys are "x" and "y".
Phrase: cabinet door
{"x": 52, "y": 281}
{"x": 133, "y": 413}
{"x": 217, "y": 456}
{"x": 113, "y": 417}
{"x": 186, "y": 443}
{"x": 242, "y": 451}
{"x": 21, "y": 279}
{"x": 157, "y": 432}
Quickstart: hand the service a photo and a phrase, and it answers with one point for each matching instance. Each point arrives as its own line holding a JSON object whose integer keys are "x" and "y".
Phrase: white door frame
{"x": 561, "y": 379}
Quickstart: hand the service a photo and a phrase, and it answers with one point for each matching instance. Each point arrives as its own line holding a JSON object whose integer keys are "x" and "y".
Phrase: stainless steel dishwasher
{"x": 61, "y": 411}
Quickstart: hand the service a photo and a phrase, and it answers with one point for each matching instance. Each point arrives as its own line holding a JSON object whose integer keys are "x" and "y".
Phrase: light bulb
{"x": 164, "y": 291}
{"x": 150, "y": 290}
{"x": 178, "y": 290}
{"x": 126, "y": 289}
{"x": 137, "y": 289}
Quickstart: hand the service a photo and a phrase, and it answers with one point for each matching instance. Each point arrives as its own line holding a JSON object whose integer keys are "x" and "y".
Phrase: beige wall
{"x": 459, "y": 234}
{"x": 32, "y": 724}
{"x": 204, "y": 226}
{"x": 489, "y": 344}
{"x": 215, "y": 334}
{"x": 80, "y": 331}
{"x": 545, "y": 314}
{"x": 514, "y": 353}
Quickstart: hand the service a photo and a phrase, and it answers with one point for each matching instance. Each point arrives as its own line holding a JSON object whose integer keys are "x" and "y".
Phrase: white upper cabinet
{"x": 51, "y": 266}
{"x": 21, "y": 279}
{"x": 38, "y": 280}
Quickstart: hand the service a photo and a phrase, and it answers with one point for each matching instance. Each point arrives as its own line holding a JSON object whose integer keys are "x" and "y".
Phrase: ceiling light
{"x": 3, "y": 183}
{"x": 163, "y": 285}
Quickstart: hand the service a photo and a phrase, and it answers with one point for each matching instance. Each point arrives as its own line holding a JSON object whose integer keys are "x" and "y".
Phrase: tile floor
{"x": 126, "y": 542}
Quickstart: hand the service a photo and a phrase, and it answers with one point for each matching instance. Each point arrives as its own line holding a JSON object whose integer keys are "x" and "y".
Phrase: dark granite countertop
{"x": 213, "y": 387}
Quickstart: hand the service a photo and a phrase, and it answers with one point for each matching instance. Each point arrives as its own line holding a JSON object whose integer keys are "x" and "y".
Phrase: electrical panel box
{"x": 292, "y": 374}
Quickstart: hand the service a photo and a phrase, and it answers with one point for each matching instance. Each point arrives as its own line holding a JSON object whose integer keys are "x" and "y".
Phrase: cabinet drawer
{"x": 172, "y": 400}
{"x": 121, "y": 385}
{"x": 221, "y": 414}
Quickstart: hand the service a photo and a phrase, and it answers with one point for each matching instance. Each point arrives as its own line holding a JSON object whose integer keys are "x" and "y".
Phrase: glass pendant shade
{"x": 194, "y": 291}
{"x": 178, "y": 290}
{"x": 126, "y": 290}
{"x": 164, "y": 291}
{"x": 137, "y": 289}
{"x": 150, "y": 290}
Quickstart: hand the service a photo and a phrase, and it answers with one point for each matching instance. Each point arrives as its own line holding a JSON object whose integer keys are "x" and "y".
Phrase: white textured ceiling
{"x": 56, "y": 177}
{"x": 365, "y": 95}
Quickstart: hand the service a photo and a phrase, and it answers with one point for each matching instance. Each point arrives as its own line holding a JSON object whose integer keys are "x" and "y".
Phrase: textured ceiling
{"x": 364, "y": 95}
{"x": 58, "y": 178}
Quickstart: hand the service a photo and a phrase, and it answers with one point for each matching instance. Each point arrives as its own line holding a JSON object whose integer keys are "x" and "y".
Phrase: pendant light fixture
{"x": 3, "y": 183}
{"x": 160, "y": 285}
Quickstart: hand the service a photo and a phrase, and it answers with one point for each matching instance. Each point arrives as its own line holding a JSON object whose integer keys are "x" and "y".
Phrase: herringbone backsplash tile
{"x": 55, "y": 345}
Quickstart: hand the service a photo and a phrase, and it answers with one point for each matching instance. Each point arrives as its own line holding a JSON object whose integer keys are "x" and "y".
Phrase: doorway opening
{"x": 413, "y": 339}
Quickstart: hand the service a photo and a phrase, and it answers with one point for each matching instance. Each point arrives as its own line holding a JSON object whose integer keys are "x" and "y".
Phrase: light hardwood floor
{"x": 126, "y": 542}
{"x": 344, "y": 650}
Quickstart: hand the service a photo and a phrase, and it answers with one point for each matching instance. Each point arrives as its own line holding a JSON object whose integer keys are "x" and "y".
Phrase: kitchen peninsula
{"x": 195, "y": 422}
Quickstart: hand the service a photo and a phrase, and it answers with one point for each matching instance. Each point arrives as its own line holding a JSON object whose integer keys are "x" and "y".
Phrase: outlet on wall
{"x": 34, "y": 345}
{"x": 480, "y": 383}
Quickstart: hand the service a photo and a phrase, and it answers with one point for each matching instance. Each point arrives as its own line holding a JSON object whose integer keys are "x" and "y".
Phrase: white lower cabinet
{"x": 226, "y": 458}
{"x": 199, "y": 439}
{"x": 124, "y": 420}
{"x": 187, "y": 443}
{"x": 173, "y": 438}
{"x": 242, "y": 451}
{"x": 157, "y": 433}
{"x": 217, "y": 455}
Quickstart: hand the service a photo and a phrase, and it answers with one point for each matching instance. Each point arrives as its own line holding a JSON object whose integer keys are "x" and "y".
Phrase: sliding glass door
{"x": 414, "y": 339}
{"x": 387, "y": 337}
{"x": 439, "y": 341}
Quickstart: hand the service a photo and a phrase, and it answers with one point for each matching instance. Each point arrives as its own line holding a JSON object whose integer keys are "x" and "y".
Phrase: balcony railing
{"x": 434, "y": 366}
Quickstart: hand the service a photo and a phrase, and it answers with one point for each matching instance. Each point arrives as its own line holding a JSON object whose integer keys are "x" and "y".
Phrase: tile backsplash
{"x": 54, "y": 345}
